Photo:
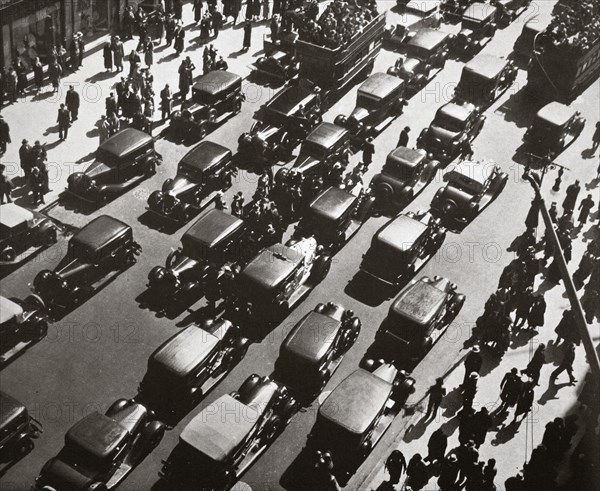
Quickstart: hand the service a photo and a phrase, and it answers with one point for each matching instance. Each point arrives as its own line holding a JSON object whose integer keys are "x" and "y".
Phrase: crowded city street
{"x": 97, "y": 350}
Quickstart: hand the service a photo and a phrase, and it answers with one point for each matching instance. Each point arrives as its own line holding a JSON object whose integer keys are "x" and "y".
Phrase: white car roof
{"x": 8, "y": 310}
{"x": 12, "y": 215}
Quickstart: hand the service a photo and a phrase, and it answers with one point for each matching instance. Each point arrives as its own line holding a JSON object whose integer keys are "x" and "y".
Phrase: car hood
{"x": 97, "y": 169}
{"x": 179, "y": 185}
{"x": 460, "y": 198}
{"x": 60, "y": 475}
{"x": 305, "y": 163}
{"x": 359, "y": 114}
{"x": 71, "y": 269}
{"x": 442, "y": 134}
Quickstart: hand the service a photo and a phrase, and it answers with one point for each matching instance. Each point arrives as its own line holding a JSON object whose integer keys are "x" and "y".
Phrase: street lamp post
{"x": 578, "y": 315}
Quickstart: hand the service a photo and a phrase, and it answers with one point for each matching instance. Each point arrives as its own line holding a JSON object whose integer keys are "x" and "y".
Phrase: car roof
{"x": 470, "y": 172}
{"x": 456, "y": 110}
{"x": 312, "y": 337}
{"x": 125, "y": 142}
{"x": 271, "y": 266}
{"x": 12, "y": 215}
{"x": 216, "y": 82}
{"x": 97, "y": 434}
{"x": 9, "y": 310}
{"x": 401, "y": 232}
{"x": 379, "y": 85}
{"x": 288, "y": 101}
{"x": 479, "y": 11}
{"x": 332, "y": 203}
{"x": 419, "y": 302}
{"x": 10, "y": 409}
{"x": 99, "y": 232}
{"x": 555, "y": 113}
{"x": 427, "y": 38}
{"x": 407, "y": 157}
{"x": 205, "y": 155}
{"x": 486, "y": 65}
{"x": 356, "y": 402}
{"x": 189, "y": 347}
{"x": 211, "y": 229}
{"x": 326, "y": 134}
{"x": 217, "y": 433}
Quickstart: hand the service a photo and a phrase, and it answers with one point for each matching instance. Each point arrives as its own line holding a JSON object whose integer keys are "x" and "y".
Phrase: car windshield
{"x": 81, "y": 458}
{"x": 80, "y": 251}
{"x": 189, "y": 171}
{"x": 471, "y": 24}
{"x": 402, "y": 328}
{"x": 188, "y": 459}
{"x": 473, "y": 86}
{"x": 418, "y": 52}
{"x": 369, "y": 103}
{"x": 106, "y": 158}
{"x": 448, "y": 122}
{"x": 314, "y": 150}
{"x": 399, "y": 170}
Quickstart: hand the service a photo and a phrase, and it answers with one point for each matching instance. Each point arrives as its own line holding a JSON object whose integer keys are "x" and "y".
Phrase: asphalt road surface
{"x": 98, "y": 353}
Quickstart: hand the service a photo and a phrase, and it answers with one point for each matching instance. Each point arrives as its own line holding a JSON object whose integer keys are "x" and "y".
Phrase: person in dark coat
{"x": 416, "y": 473}
{"x": 134, "y": 59}
{"x": 571, "y": 197}
{"x": 54, "y": 72}
{"x": 532, "y": 219}
{"x": 111, "y": 105}
{"x": 438, "y": 442}
{"x": 511, "y": 388}
{"x": 553, "y": 436}
{"x": 4, "y": 134}
{"x": 64, "y": 121}
{"x": 216, "y": 23}
{"x": 436, "y": 393}
{"x": 566, "y": 328}
{"x": 38, "y": 73}
{"x": 585, "y": 206}
{"x": 81, "y": 45}
{"x": 395, "y": 465}
{"x": 149, "y": 54}
{"x": 249, "y": 9}
{"x": 165, "y": 102}
{"x": 566, "y": 364}
{"x": 275, "y": 26}
{"x": 473, "y": 362}
{"x": 482, "y": 422}
{"x": 197, "y": 8}
{"x": 21, "y": 78}
{"x": 184, "y": 87}
{"x": 534, "y": 367}
{"x": 403, "y": 138}
{"x": 108, "y": 57}
{"x": 524, "y": 304}
{"x": 525, "y": 402}
{"x": 6, "y": 186}
{"x": 368, "y": 151}
{"x": 25, "y": 157}
{"x": 535, "y": 318}
{"x": 118, "y": 53}
{"x": 247, "y": 35}
{"x": 469, "y": 391}
{"x": 448, "y": 479}
{"x": 489, "y": 474}
{"x": 180, "y": 42}
{"x": 72, "y": 102}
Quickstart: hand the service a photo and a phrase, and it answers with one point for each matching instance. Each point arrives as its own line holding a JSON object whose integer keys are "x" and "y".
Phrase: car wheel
{"x": 151, "y": 170}
{"x": 237, "y": 107}
{"x": 322, "y": 268}
{"x": 25, "y": 446}
{"x": 39, "y": 329}
{"x": 154, "y": 431}
{"x": 51, "y": 236}
{"x": 8, "y": 254}
{"x": 274, "y": 427}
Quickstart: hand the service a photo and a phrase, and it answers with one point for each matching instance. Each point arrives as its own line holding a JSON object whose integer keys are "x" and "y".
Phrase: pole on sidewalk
{"x": 578, "y": 315}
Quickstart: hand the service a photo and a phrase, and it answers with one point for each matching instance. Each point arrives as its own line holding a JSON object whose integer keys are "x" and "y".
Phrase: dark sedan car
{"x": 477, "y": 29}
{"x": 102, "y": 449}
{"x": 18, "y": 429}
{"x": 418, "y": 317}
{"x": 186, "y": 366}
{"x": 213, "y": 240}
{"x": 410, "y": 23}
{"x": 453, "y": 123}
{"x": 378, "y": 101}
{"x": 405, "y": 174}
{"x": 227, "y": 437}
{"x": 201, "y": 173}
{"x": 281, "y": 124}
{"x": 484, "y": 78}
{"x": 426, "y": 54}
{"x": 554, "y": 127}
{"x": 334, "y": 216}
{"x": 402, "y": 246}
{"x": 471, "y": 187}
{"x": 103, "y": 246}
{"x": 121, "y": 161}
{"x": 315, "y": 347}
{"x": 216, "y": 96}
{"x": 358, "y": 412}
{"x": 278, "y": 65}
{"x": 22, "y": 231}
{"x": 22, "y": 323}
{"x": 509, "y": 10}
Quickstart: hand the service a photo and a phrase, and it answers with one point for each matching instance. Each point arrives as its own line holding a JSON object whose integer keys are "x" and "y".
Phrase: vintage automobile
{"x": 553, "y": 129}
{"x": 278, "y": 65}
{"x": 472, "y": 186}
{"x": 402, "y": 246}
{"x": 216, "y": 96}
{"x": 213, "y": 240}
{"x": 201, "y": 173}
{"x": 281, "y": 124}
{"x": 334, "y": 216}
{"x": 404, "y": 175}
{"x": 484, "y": 78}
{"x": 103, "y": 246}
{"x": 453, "y": 123}
{"x": 120, "y": 162}
{"x": 217, "y": 446}
{"x": 23, "y": 231}
{"x": 18, "y": 429}
{"x": 509, "y": 10}
{"x": 279, "y": 277}
{"x": 22, "y": 323}
{"x": 397, "y": 36}
{"x": 524, "y": 44}
{"x": 102, "y": 449}
{"x": 357, "y": 413}
{"x": 315, "y": 347}
{"x": 378, "y": 101}
{"x": 477, "y": 29}
{"x": 453, "y": 9}
{"x": 426, "y": 54}
{"x": 418, "y": 317}
{"x": 323, "y": 147}
{"x": 186, "y": 366}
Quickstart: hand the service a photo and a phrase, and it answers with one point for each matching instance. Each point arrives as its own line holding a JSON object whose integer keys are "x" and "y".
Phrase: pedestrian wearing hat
{"x": 180, "y": 42}
{"x": 537, "y": 312}
{"x": 416, "y": 473}
{"x": 525, "y": 401}
{"x": 149, "y": 54}
{"x": 4, "y": 134}
{"x": 436, "y": 393}
{"x": 403, "y": 138}
{"x": 585, "y": 206}
{"x": 72, "y": 101}
{"x": 74, "y": 53}
{"x": 247, "y": 34}
{"x": 534, "y": 367}
{"x": 64, "y": 121}
{"x": 108, "y": 57}
{"x": 55, "y": 72}
{"x": 25, "y": 156}
{"x": 81, "y": 44}
{"x": 596, "y": 138}
{"x": 438, "y": 442}
{"x": 395, "y": 465}
{"x": 368, "y": 151}
{"x": 566, "y": 364}
{"x": 448, "y": 479}
{"x": 469, "y": 391}
{"x": 571, "y": 197}
{"x": 511, "y": 388}
{"x": 473, "y": 362}
{"x": 118, "y": 53}
{"x": 165, "y": 102}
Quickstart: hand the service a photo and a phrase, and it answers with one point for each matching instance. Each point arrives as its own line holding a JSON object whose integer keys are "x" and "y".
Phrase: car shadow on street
{"x": 368, "y": 291}
{"x": 518, "y": 109}
{"x": 167, "y": 227}
{"x": 165, "y": 307}
{"x": 79, "y": 207}
{"x": 6, "y": 464}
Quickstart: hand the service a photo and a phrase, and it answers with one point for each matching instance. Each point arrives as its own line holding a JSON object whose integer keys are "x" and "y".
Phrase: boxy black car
{"x": 18, "y": 429}
{"x": 477, "y": 29}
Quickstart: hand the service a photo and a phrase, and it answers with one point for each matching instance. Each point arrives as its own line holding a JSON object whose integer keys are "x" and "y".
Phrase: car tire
{"x": 151, "y": 169}
{"x": 8, "y": 254}
{"x": 322, "y": 268}
{"x": 154, "y": 433}
{"x": 274, "y": 427}
{"x": 38, "y": 331}
{"x": 201, "y": 132}
{"x": 117, "y": 406}
{"x": 51, "y": 236}
{"x": 237, "y": 107}
{"x": 25, "y": 446}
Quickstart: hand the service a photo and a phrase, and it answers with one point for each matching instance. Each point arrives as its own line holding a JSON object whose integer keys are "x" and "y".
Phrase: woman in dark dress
{"x": 247, "y": 35}
{"x": 108, "y": 58}
{"x": 38, "y": 73}
{"x": 179, "y": 42}
{"x": 197, "y": 8}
